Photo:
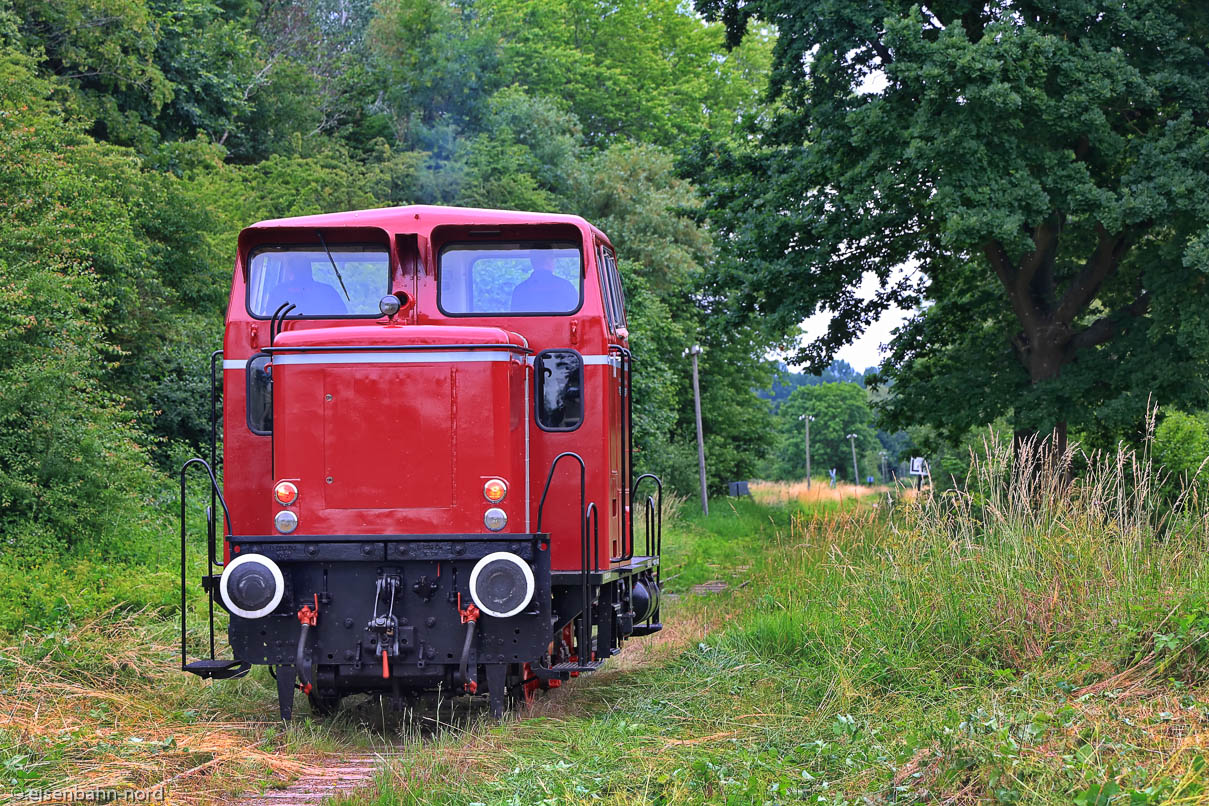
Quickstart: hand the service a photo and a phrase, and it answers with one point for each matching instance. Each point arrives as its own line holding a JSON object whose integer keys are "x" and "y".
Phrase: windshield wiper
{"x": 333, "y": 260}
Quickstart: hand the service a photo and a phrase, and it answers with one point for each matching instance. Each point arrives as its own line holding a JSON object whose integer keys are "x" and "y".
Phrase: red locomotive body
{"x": 426, "y": 450}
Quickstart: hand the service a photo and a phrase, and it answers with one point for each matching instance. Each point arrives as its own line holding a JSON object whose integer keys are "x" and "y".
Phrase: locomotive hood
{"x": 395, "y": 429}
{"x": 403, "y": 336}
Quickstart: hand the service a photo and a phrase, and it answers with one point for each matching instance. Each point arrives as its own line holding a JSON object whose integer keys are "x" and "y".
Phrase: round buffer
{"x": 251, "y": 586}
{"x": 501, "y": 584}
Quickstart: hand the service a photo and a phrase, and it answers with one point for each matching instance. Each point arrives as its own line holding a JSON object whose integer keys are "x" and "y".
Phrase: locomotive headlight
{"x": 285, "y": 521}
{"x": 286, "y": 493}
{"x": 495, "y": 519}
{"x": 251, "y": 586}
{"x": 501, "y": 584}
{"x": 495, "y": 490}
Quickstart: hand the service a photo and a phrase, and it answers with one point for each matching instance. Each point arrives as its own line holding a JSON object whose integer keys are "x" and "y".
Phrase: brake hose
{"x": 466, "y": 650}
{"x": 300, "y": 658}
{"x": 470, "y": 615}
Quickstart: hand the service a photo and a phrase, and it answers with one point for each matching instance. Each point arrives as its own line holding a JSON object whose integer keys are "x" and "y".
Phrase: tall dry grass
{"x": 817, "y": 492}
{"x": 1027, "y": 566}
{"x": 103, "y": 706}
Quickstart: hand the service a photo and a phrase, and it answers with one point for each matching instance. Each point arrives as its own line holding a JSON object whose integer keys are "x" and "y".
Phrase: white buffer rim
{"x": 278, "y": 580}
{"x": 526, "y": 571}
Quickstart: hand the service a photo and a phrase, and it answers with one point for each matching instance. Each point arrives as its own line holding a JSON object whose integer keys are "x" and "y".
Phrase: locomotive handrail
{"x": 649, "y": 522}
{"x": 583, "y": 469}
{"x": 214, "y": 358}
{"x": 654, "y": 517}
{"x": 658, "y": 503}
{"x": 277, "y": 320}
{"x": 210, "y": 553}
{"x": 592, "y": 517}
{"x": 592, "y": 524}
{"x": 627, "y": 451}
{"x": 585, "y": 625}
{"x": 393, "y": 348}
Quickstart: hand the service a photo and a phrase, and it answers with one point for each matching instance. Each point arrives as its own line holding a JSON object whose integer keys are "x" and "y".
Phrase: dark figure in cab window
{"x": 299, "y": 286}
{"x": 543, "y": 290}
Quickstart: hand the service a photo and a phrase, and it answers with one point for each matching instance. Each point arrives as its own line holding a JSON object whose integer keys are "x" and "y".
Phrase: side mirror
{"x": 559, "y": 382}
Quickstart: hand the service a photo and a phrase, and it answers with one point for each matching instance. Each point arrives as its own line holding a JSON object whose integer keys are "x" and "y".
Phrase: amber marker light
{"x": 286, "y": 493}
{"x": 495, "y": 490}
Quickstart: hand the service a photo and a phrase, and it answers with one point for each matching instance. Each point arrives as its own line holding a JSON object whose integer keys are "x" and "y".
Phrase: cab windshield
{"x": 304, "y": 276}
{"x": 510, "y": 278}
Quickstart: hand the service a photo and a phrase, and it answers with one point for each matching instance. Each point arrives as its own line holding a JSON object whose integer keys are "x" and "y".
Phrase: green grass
{"x": 1023, "y": 641}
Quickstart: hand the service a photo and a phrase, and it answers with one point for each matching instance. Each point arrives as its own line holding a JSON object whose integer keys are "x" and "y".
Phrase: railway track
{"x": 336, "y": 775}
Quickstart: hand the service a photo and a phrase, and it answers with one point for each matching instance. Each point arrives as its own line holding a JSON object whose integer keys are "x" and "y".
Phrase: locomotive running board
{"x": 646, "y": 629}
{"x": 633, "y": 566}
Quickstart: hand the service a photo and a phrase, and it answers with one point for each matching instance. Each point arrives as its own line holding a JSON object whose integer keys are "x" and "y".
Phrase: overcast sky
{"x": 866, "y": 351}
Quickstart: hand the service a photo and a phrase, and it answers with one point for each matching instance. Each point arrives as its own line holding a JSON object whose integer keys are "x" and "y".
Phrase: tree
{"x": 786, "y": 381}
{"x": 839, "y": 409}
{"x": 73, "y": 469}
{"x": 632, "y": 193}
{"x": 1039, "y": 172}
{"x": 644, "y": 70}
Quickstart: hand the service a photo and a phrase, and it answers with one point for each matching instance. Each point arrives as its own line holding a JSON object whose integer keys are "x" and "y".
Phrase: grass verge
{"x": 1023, "y": 641}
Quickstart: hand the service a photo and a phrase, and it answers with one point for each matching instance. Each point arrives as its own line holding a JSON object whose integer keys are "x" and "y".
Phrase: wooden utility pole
{"x": 856, "y": 474}
{"x": 808, "y": 419}
{"x": 695, "y": 351}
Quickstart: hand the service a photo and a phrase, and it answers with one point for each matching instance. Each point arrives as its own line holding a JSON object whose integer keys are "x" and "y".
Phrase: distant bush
{"x": 1181, "y": 446}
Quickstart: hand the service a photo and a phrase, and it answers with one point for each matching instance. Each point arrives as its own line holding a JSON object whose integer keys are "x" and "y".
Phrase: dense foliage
{"x": 138, "y": 136}
{"x": 1035, "y": 171}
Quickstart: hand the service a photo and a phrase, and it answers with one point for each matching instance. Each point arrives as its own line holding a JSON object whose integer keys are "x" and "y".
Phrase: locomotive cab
{"x": 426, "y": 457}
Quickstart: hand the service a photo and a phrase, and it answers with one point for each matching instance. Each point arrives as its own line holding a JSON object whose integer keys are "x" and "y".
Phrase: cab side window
{"x": 559, "y": 378}
{"x": 510, "y": 278}
{"x": 260, "y": 394}
{"x": 610, "y": 284}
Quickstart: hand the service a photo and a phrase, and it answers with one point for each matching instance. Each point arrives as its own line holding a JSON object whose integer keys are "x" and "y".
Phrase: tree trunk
{"x": 1044, "y": 351}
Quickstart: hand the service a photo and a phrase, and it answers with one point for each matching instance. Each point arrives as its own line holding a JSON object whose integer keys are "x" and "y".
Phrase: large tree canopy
{"x": 1034, "y": 176}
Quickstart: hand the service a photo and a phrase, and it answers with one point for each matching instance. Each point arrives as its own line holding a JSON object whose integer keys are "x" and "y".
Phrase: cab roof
{"x": 412, "y": 217}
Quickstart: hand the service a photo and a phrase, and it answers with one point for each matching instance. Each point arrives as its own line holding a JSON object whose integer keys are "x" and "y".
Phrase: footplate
{"x": 564, "y": 670}
{"x": 217, "y": 669}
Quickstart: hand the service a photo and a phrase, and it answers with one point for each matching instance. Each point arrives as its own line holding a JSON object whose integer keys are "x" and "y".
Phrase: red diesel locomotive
{"x": 426, "y": 444}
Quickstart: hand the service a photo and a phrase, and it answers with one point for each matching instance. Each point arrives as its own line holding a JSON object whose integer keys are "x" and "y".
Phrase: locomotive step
{"x": 576, "y": 666}
{"x": 218, "y": 669}
{"x": 563, "y": 671}
{"x": 646, "y": 629}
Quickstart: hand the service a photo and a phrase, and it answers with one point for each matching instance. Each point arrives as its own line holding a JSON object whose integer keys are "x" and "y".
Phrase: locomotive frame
{"x": 354, "y": 558}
